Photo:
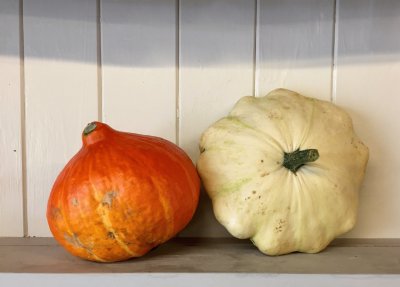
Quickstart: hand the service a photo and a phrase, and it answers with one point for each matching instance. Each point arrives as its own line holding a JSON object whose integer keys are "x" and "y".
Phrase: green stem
{"x": 294, "y": 160}
{"x": 89, "y": 128}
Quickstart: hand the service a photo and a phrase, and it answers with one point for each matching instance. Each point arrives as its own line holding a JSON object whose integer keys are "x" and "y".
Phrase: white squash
{"x": 285, "y": 171}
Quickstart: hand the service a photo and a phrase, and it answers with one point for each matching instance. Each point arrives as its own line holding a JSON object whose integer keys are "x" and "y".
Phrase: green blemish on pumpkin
{"x": 234, "y": 186}
{"x": 239, "y": 122}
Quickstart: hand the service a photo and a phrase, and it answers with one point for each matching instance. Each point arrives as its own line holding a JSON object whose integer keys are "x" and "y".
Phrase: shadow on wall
{"x": 212, "y": 32}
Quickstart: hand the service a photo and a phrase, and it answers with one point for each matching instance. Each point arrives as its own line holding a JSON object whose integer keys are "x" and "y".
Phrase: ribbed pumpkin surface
{"x": 121, "y": 195}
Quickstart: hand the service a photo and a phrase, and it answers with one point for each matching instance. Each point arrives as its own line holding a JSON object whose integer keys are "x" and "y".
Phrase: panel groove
{"x": 256, "y": 48}
{"x": 178, "y": 74}
{"x": 23, "y": 119}
{"x": 99, "y": 63}
{"x": 334, "y": 49}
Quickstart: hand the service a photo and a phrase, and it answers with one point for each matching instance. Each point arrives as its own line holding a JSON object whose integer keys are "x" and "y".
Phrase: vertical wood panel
{"x": 368, "y": 85}
{"x": 216, "y": 69}
{"x": 295, "y": 46}
{"x": 138, "y": 66}
{"x": 61, "y": 92}
{"x": 11, "y": 202}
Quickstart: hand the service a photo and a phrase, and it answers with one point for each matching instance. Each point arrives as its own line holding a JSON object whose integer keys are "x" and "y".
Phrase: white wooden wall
{"x": 171, "y": 68}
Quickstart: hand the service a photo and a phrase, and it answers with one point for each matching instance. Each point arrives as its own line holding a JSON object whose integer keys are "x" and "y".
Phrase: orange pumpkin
{"x": 121, "y": 195}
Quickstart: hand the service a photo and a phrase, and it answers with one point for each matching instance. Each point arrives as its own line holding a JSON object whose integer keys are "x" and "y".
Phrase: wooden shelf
{"x": 372, "y": 261}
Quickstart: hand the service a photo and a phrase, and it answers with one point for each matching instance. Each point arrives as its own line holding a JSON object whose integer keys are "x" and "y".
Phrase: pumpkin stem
{"x": 89, "y": 128}
{"x": 294, "y": 160}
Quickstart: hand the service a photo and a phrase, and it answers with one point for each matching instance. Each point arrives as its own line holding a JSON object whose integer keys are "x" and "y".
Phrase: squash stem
{"x": 89, "y": 128}
{"x": 294, "y": 160}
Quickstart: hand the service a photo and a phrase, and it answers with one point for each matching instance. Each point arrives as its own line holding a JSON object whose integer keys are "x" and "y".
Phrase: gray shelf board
{"x": 208, "y": 255}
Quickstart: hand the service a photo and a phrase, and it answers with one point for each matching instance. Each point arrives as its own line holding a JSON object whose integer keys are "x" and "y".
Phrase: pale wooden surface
{"x": 61, "y": 92}
{"x": 138, "y": 42}
{"x": 189, "y": 255}
{"x": 368, "y": 86}
{"x": 197, "y": 280}
{"x": 11, "y": 202}
{"x": 216, "y": 69}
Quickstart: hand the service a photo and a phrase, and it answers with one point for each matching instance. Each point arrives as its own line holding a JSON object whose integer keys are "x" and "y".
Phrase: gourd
{"x": 284, "y": 170}
{"x": 121, "y": 195}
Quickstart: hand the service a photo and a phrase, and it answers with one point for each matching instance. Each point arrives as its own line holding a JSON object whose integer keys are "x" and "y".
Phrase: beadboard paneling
{"x": 216, "y": 69}
{"x": 172, "y": 71}
{"x": 11, "y": 202}
{"x": 61, "y": 92}
{"x": 138, "y": 43}
{"x": 368, "y": 86}
{"x": 295, "y": 46}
